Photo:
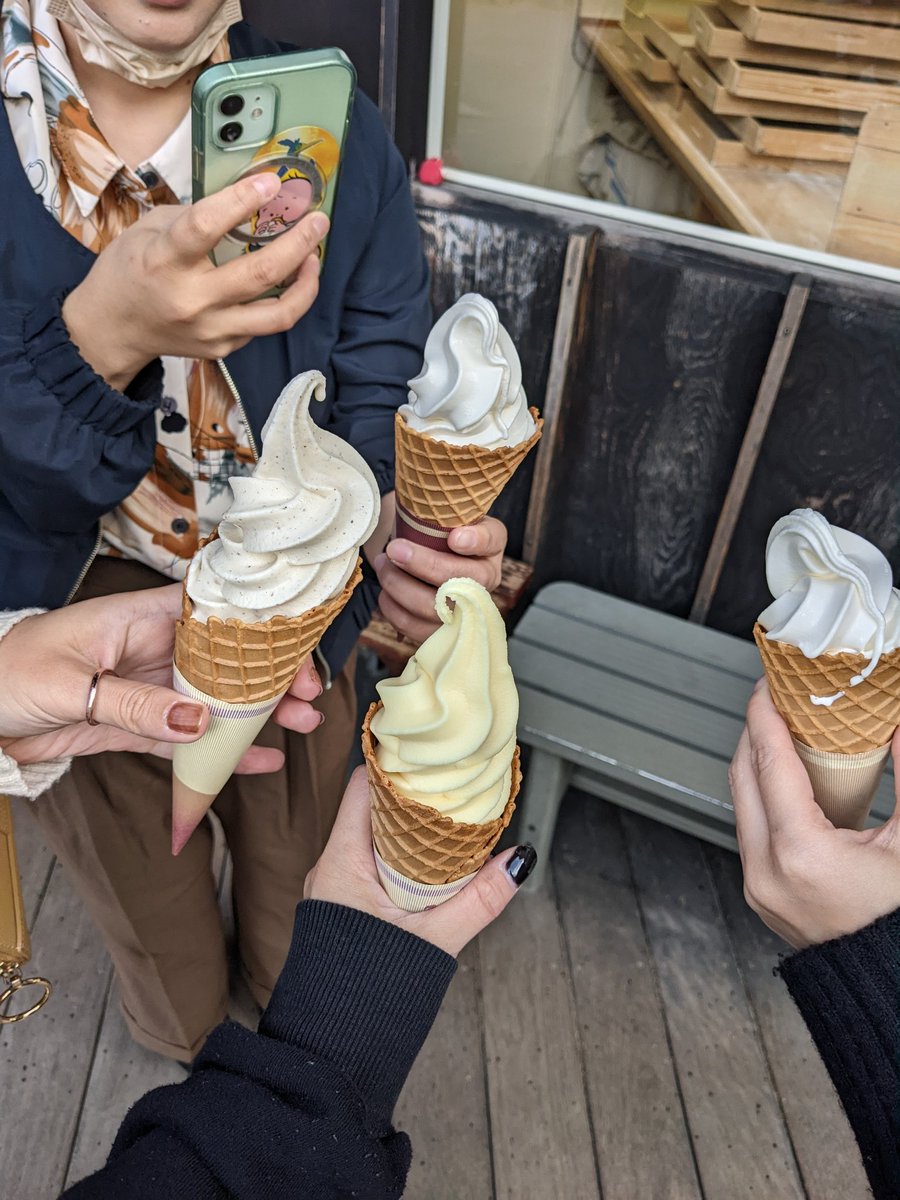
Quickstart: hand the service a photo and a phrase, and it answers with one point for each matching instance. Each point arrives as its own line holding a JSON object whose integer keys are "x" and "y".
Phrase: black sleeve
{"x": 303, "y": 1107}
{"x": 72, "y": 447}
{"x": 848, "y": 992}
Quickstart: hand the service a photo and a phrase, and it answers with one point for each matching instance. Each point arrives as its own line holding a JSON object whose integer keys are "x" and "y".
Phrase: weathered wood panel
{"x": 643, "y": 1144}
{"x": 668, "y": 355}
{"x": 517, "y": 261}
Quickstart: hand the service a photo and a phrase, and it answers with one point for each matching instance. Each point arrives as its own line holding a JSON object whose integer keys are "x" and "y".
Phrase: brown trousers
{"x": 109, "y": 823}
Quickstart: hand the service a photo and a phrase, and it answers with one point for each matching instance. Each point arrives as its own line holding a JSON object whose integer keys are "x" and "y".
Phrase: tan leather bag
{"x": 15, "y": 944}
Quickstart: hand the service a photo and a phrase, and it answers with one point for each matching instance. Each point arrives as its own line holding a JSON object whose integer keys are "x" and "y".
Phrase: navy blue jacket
{"x": 72, "y": 448}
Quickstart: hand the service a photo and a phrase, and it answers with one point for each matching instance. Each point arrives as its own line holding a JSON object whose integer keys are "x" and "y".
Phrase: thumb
{"x": 453, "y": 924}
{"x": 153, "y": 712}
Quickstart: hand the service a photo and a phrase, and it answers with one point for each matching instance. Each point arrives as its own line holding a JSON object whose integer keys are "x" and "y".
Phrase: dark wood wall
{"x": 670, "y": 341}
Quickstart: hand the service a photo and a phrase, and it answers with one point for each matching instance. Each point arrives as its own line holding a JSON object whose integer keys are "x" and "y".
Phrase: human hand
{"x": 807, "y": 880}
{"x": 410, "y": 574}
{"x": 154, "y": 289}
{"x": 346, "y": 874}
{"x": 47, "y": 662}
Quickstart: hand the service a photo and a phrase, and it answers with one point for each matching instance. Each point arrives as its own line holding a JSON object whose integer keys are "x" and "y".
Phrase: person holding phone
{"x": 834, "y": 895}
{"x": 135, "y": 378}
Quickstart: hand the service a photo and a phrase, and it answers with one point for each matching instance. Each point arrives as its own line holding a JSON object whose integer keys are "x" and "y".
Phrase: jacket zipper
{"x": 87, "y": 566}
{"x": 324, "y": 669}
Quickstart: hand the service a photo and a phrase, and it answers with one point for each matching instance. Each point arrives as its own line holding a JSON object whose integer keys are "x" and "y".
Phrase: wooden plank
{"x": 802, "y": 87}
{"x": 539, "y": 1110}
{"x": 823, "y": 1143}
{"x": 718, "y": 99}
{"x": 855, "y": 10}
{"x": 722, "y": 146}
{"x": 122, "y": 1072}
{"x": 443, "y": 1106}
{"x": 646, "y": 59}
{"x": 643, "y": 1144}
{"x": 741, "y": 1143}
{"x": 868, "y": 224}
{"x": 822, "y": 143}
{"x": 545, "y": 464}
{"x": 670, "y": 40}
{"x": 811, "y": 33}
{"x": 716, "y": 37}
{"x": 770, "y": 386}
{"x": 47, "y": 1060}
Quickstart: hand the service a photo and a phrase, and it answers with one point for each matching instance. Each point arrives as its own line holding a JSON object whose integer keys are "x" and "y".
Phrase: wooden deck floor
{"x": 619, "y": 1036}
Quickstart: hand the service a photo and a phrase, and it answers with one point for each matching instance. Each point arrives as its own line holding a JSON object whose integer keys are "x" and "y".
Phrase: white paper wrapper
{"x": 207, "y": 765}
{"x": 412, "y": 896}
{"x": 844, "y": 785}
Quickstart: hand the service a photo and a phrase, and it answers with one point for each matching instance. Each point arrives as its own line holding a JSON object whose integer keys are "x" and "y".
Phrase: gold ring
{"x": 92, "y": 694}
{"x": 17, "y": 984}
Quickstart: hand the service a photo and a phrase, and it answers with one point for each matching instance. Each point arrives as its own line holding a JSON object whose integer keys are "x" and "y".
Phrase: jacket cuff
{"x": 85, "y": 395}
{"x": 848, "y": 992}
{"x": 361, "y": 993}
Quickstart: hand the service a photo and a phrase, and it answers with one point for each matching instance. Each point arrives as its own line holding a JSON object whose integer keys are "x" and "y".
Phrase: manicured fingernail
{"x": 184, "y": 718}
{"x": 265, "y": 183}
{"x": 522, "y": 863}
{"x": 400, "y": 552}
{"x": 321, "y": 720}
{"x": 319, "y": 224}
{"x": 316, "y": 679}
{"x": 464, "y": 540}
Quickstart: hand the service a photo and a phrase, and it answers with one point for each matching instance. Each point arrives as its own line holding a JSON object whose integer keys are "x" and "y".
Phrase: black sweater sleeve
{"x": 303, "y": 1107}
{"x": 848, "y": 992}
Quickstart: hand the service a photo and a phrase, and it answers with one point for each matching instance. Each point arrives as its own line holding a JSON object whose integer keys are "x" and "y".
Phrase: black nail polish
{"x": 522, "y": 863}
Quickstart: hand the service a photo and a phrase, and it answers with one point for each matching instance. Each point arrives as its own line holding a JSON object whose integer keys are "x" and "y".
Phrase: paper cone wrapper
{"x": 844, "y": 785}
{"x": 240, "y": 671}
{"x": 440, "y": 487}
{"x": 863, "y": 719}
{"x": 423, "y": 857}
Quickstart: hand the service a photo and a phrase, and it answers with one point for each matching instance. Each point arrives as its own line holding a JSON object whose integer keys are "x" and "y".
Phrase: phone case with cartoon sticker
{"x": 286, "y": 113}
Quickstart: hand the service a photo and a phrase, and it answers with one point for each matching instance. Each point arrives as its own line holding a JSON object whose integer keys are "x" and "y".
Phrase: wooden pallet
{"x": 878, "y": 14}
{"x": 646, "y": 59}
{"x": 718, "y": 99}
{"x": 814, "y": 32}
{"x": 755, "y": 82}
{"x": 671, "y": 40}
{"x": 868, "y": 223}
{"x": 782, "y": 140}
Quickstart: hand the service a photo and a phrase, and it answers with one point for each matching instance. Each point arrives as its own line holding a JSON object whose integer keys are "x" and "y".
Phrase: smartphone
{"x": 286, "y": 113}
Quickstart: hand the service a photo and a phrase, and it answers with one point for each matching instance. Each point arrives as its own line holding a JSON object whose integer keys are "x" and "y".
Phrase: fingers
{"x": 453, "y": 924}
{"x": 784, "y": 787}
{"x": 260, "y": 760}
{"x": 307, "y": 685}
{"x": 436, "y": 567}
{"x": 251, "y": 275}
{"x": 749, "y": 814}
{"x": 201, "y": 226}
{"x": 298, "y": 715}
{"x": 483, "y": 540}
{"x": 413, "y": 627}
{"x": 146, "y": 710}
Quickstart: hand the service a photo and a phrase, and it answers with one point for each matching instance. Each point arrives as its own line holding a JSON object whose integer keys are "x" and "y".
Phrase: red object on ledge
{"x": 431, "y": 172}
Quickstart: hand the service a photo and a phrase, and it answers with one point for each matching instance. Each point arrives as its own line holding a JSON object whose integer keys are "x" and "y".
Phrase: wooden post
{"x": 763, "y": 406}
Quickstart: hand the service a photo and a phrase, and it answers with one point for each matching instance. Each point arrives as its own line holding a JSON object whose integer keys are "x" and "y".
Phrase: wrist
{"x": 110, "y": 356}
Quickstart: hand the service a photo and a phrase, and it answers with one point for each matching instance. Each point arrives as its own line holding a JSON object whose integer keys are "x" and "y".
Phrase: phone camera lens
{"x": 231, "y": 132}
{"x": 231, "y": 105}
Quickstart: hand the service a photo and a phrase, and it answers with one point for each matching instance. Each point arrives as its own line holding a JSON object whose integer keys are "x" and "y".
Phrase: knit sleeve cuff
{"x": 32, "y": 780}
{"x": 848, "y": 992}
{"x": 361, "y": 993}
{"x": 86, "y": 396}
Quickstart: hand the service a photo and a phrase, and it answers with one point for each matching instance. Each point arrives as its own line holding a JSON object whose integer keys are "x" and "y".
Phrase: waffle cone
{"x": 244, "y": 663}
{"x": 863, "y": 719}
{"x": 453, "y": 485}
{"x": 419, "y": 842}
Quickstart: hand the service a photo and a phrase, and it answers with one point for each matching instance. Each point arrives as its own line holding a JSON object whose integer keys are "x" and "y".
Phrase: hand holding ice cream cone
{"x": 830, "y": 645}
{"x": 259, "y": 596}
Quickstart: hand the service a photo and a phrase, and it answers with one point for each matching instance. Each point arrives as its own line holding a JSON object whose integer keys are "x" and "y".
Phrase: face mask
{"x": 101, "y": 44}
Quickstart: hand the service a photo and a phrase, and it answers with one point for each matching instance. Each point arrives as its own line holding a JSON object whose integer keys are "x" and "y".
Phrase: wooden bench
{"x": 636, "y": 706}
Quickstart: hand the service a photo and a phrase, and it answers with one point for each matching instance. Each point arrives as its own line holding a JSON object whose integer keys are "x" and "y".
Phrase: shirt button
{"x": 150, "y": 178}
{"x": 180, "y": 525}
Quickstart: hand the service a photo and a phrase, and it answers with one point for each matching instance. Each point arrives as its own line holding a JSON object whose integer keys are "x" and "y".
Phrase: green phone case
{"x": 311, "y": 96}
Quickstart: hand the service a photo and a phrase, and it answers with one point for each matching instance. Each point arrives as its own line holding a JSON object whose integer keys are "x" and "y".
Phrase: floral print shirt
{"x": 90, "y": 190}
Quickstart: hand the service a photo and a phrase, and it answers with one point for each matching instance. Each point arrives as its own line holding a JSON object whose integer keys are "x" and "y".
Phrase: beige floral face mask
{"x": 100, "y": 43}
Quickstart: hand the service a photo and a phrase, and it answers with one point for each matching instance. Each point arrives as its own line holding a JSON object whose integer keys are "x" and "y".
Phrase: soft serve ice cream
{"x": 830, "y": 645}
{"x": 259, "y": 597}
{"x": 290, "y": 539}
{"x": 470, "y": 392}
{"x": 441, "y": 752}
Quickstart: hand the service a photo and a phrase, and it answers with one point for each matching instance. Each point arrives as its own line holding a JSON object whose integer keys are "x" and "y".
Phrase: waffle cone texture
{"x": 419, "y": 842}
{"x": 453, "y": 485}
{"x": 863, "y": 719}
{"x": 244, "y": 663}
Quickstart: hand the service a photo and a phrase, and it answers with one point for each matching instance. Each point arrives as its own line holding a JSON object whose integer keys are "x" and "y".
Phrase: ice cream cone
{"x": 424, "y": 857}
{"x": 240, "y": 671}
{"x": 441, "y": 486}
{"x": 844, "y": 745}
